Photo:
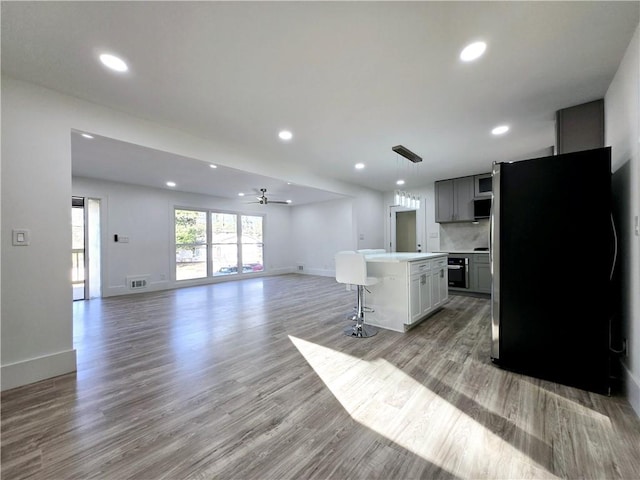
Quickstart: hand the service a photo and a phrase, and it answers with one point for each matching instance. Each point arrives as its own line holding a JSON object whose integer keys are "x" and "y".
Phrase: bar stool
{"x": 351, "y": 269}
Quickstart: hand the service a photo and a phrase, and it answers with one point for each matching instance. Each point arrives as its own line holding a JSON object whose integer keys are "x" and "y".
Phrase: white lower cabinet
{"x": 407, "y": 292}
{"x": 428, "y": 288}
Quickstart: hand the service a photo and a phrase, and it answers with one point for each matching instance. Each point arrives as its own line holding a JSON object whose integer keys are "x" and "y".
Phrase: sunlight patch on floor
{"x": 381, "y": 397}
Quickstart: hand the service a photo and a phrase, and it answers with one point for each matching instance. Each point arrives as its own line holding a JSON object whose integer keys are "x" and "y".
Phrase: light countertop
{"x": 467, "y": 251}
{"x": 398, "y": 257}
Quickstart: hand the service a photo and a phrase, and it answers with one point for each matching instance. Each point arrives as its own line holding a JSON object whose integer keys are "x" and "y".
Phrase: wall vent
{"x": 300, "y": 268}
{"x": 138, "y": 282}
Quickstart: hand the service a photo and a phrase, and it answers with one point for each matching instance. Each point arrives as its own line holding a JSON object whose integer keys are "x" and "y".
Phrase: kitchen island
{"x": 410, "y": 288}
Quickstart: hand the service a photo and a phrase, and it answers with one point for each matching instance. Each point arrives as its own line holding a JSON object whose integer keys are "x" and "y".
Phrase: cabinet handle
{"x": 441, "y": 273}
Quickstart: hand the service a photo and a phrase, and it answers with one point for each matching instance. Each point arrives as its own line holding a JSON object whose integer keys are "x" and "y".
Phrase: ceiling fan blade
{"x": 263, "y": 200}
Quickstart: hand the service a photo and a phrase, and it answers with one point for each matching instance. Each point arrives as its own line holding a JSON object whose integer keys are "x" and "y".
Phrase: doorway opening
{"x": 405, "y": 227}
{"x": 406, "y": 231}
{"x": 85, "y": 248}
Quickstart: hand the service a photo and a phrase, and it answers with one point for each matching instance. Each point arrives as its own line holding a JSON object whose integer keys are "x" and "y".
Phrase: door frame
{"x": 420, "y": 224}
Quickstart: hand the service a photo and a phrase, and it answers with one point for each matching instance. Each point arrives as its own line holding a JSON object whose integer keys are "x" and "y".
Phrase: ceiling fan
{"x": 262, "y": 200}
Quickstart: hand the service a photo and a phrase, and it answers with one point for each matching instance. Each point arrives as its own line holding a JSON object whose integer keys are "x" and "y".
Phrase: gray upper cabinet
{"x": 580, "y": 127}
{"x": 454, "y": 200}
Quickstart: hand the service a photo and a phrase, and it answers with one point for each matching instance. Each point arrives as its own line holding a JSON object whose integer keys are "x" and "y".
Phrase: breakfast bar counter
{"x": 410, "y": 288}
{"x": 402, "y": 257}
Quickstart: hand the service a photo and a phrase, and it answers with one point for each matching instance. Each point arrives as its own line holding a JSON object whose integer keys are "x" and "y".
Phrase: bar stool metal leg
{"x": 360, "y": 330}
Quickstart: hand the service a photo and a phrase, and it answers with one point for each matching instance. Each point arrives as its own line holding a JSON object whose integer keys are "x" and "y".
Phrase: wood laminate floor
{"x": 254, "y": 379}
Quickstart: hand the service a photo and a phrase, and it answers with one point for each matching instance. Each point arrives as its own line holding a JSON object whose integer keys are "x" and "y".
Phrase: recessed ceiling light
{"x": 502, "y": 129}
{"x": 289, "y": 201}
{"x": 241, "y": 194}
{"x": 113, "y": 62}
{"x": 473, "y": 51}
{"x": 213, "y": 166}
{"x": 400, "y": 182}
{"x": 359, "y": 166}
{"x": 285, "y": 135}
{"x": 171, "y": 184}
{"x": 86, "y": 135}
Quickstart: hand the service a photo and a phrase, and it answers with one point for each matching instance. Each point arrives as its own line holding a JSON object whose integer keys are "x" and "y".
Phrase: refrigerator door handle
{"x": 494, "y": 252}
{"x": 615, "y": 247}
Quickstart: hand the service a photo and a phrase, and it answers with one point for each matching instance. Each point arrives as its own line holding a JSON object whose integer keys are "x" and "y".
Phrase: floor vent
{"x": 138, "y": 282}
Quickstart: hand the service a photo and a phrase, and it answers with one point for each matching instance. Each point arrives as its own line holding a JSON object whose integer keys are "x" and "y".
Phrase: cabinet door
{"x": 415, "y": 312}
{"x": 481, "y": 273}
{"x": 439, "y": 287}
{"x": 435, "y": 289}
{"x": 444, "y": 285}
{"x": 419, "y": 296}
{"x": 425, "y": 294}
{"x": 444, "y": 201}
{"x": 483, "y": 278}
{"x": 464, "y": 193}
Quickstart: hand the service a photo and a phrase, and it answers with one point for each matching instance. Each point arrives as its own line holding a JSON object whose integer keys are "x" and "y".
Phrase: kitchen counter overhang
{"x": 402, "y": 257}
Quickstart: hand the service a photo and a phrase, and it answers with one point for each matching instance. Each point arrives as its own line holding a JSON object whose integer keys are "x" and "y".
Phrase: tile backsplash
{"x": 464, "y": 236}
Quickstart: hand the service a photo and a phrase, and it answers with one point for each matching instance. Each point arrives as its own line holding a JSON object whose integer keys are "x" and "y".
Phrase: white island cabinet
{"x": 411, "y": 286}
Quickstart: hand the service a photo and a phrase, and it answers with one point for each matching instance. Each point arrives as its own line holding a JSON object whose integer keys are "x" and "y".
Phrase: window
{"x": 251, "y": 243}
{"x": 227, "y": 244}
{"x": 191, "y": 244}
{"x": 224, "y": 238}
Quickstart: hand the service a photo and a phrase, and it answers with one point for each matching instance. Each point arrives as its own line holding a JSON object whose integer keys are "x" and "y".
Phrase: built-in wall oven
{"x": 458, "y": 270}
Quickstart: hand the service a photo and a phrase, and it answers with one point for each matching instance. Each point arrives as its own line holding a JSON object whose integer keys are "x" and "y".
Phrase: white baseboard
{"x": 632, "y": 387}
{"x": 318, "y": 271}
{"x": 118, "y": 290}
{"x": 36, "y": 369}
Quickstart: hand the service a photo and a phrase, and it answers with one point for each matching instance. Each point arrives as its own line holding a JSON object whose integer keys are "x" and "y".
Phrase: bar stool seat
{"x": 351, "y": 269}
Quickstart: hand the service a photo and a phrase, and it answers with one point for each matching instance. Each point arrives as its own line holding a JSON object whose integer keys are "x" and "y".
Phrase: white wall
{"x": 36, "y": 191}
{"x": 145, "y": 215}
{"x": 369, "y": 219}
{"x": 622, "y": 133}
{"x": 36, "y": 314}
{"x": 320, "y": 230}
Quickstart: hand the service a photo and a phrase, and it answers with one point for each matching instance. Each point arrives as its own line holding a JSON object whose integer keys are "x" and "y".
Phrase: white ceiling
{"x": 350, "y": 79}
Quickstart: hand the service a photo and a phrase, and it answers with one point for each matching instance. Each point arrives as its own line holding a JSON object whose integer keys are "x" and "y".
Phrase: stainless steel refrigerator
{"x": 553, "y": 252}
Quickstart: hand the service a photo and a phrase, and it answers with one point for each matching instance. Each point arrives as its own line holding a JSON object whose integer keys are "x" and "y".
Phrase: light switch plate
{"x": 20, "y": 237}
